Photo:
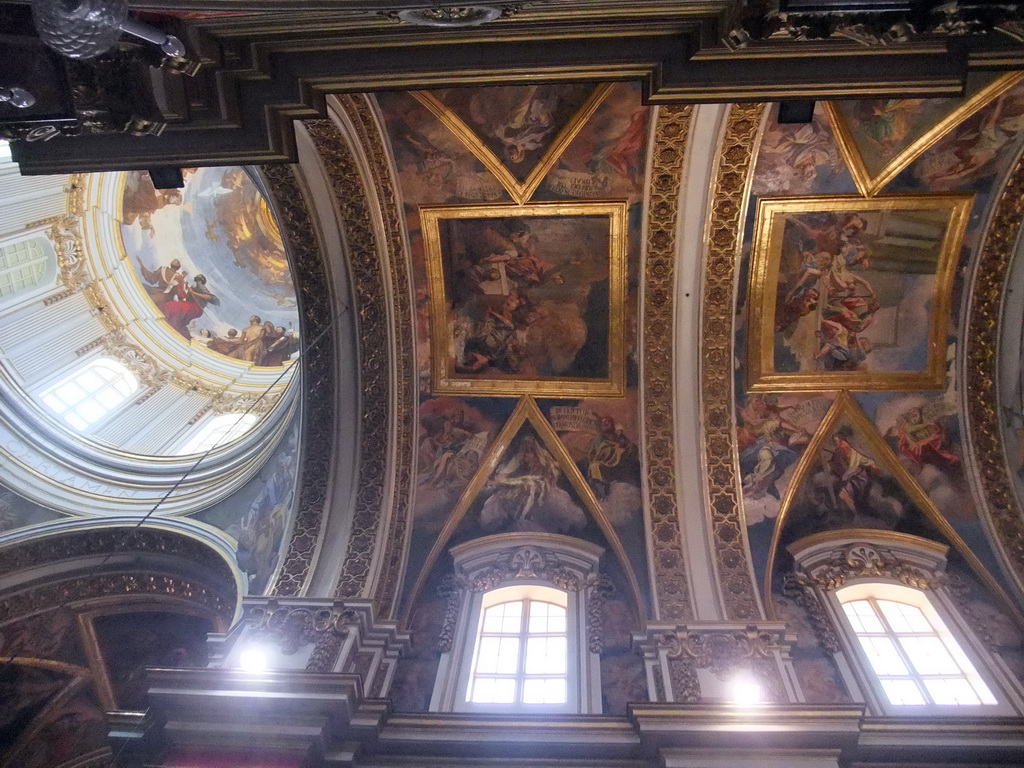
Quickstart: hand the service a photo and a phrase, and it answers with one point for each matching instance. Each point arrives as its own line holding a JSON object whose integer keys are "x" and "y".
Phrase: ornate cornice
{"x": 671, "y": 582}
{"x": 724, "y": 235}
{"x": 868, "y": 561}
{"x": 318, "y": 362}
{"x": 362, "y": 115}
{"x": 101, "y": 542}
{"x": 757, "y": 21}
{"x": 981, "y": 372}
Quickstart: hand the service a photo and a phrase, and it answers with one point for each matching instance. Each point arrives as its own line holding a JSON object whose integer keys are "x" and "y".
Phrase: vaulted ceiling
{"x": 689, "y": 334}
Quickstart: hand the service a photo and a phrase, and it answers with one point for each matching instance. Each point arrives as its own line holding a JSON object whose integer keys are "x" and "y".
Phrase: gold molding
{"x": 445, "y": 380}
{"x": 526, "y": 412}
{"x": 870, "y": 185}
{"x": 981, "y": 375}
{"x": 520, "y": 192}
{"x": 724, "y": 235}
{"x": 671, "y": 581}
{"x": 845, "y": 405}
{"x": 772, "y": 214}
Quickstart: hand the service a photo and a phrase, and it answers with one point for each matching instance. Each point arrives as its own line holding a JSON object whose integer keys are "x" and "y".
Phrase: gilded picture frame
{"x": 841, "y": 286}
{"x": 527, "y": 299}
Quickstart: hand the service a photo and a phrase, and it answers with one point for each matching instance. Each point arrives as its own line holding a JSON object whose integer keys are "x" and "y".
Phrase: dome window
{"x": 91, "y": 393}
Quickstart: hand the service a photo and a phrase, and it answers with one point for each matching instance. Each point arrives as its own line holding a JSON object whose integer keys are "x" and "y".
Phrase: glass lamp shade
{"x": 79, "y": 29}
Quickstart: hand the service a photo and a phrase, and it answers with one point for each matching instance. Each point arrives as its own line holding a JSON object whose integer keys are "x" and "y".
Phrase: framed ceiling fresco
{"x": 527, "y": 299}
{"x": 852, "y": 293}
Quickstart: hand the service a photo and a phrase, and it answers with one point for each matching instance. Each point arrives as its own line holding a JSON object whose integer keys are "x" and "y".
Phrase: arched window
{"x": 23, "y": 266}
{"x": 900, "y": 640}
{"x": 90, "y": 393}
{"x": 917, "y": 660}
{"x": 220, "y": 430}
{"x": 523, "y": 627}
{"x": 521, "y": 653}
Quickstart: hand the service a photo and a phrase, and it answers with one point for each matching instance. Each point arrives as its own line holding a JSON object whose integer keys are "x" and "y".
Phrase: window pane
{"x": 108, "y": 398}
{"x": 546, "y": 617}
{"x": 76, "y": 421}
{"x": 545, "y": 655}
{"x": 498, "y": 655}
{"x": 70, "y": 393}
{"x": 951, "y": 691}
{"x": 882, "y": 655}
{"x": 490, "y": 690}
{"x": 545, "y": 690}
{"x": 90, "y": 411}
{"x": 506, "y": 618}
{"x": 862, "y": 617}
{"x": 905, "y": 618}
{"x": 903, "y": 692}
{"x": 92, "y": 392}
{"x": 929, "y": 656}
{"x": 90, "y": 380}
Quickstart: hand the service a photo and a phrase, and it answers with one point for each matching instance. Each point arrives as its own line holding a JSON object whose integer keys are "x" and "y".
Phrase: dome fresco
{"x": 210, "y": 258}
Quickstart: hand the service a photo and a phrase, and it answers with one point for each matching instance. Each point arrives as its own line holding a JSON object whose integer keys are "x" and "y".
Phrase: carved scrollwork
{"x": 318, "y": 370}
{"x": 66, "y": 236}
{"x": 724, "y": 235}
{"x": 258, "y": 404}
{"x": 868, "y": 561}
{"x": 722, "y": 653}
{"x": 218, "y": 595}
{"x": 719, "y": 652}
{"x": 451, "y": 590}
{"x": 527, "y": 563}
{"x": 761, "y": 20}
{"x": 378, "y": 270}
{"x": 671, "y": 582}
{"x": 367, "y": 124}
{"x": 97, "y": 299}
{"x": 981, "y": 371}
{"x": 151, "y": 374}
{"x": 291, "y": 629}
{"x": 601, "y": 589}
{"x": 801, "y": 592}
{"x": 681, "y": 670}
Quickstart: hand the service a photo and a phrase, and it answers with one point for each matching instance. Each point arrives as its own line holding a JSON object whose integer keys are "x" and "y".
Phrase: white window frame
{"x": 873, "y": 591}
{"x": 90, "y": 364}
{"x": 525, "y": 561}
{"x": 527, "y": 595}
{"x": 845, "y": 565}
